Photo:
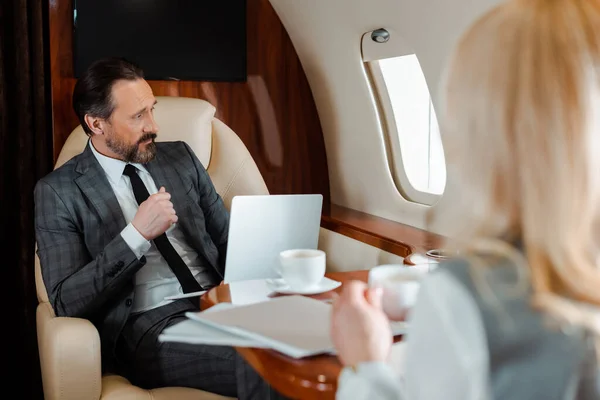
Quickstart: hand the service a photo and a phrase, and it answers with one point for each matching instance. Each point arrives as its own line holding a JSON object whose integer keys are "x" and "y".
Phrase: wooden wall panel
{"x": 273, "y": 112}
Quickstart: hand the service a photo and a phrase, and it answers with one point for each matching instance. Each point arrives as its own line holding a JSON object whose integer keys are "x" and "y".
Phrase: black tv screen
{"x": 169, "y": 39}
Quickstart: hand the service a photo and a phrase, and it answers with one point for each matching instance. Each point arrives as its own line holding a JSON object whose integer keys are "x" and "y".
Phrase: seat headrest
{"x": 178, "y": 118}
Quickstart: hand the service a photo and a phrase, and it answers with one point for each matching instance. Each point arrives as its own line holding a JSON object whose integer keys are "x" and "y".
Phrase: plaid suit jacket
{"x": 87, "y": 267}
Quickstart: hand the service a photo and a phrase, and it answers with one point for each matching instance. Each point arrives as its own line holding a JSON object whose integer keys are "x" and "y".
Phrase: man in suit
{"x": 127, "y": 223}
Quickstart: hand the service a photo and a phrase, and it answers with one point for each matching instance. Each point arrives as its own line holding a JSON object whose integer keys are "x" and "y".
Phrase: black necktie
{"x": 181, "y": 271}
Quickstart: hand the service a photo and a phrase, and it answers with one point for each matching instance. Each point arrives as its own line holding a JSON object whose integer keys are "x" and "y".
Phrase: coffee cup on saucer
{"x": 400, "y": 284}
{"x": 302, "y": 268}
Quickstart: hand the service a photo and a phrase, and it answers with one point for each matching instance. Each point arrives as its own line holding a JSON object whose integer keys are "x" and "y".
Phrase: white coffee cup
{"x": 302, "y": 268}
{"x": 400, "y": 284}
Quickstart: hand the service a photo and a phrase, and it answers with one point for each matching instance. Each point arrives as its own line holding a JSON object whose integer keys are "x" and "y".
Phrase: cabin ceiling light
{"x": 380, "y": 35}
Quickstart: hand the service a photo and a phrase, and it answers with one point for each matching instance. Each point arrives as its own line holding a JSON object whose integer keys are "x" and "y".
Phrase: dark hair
{"x": 93, "y": 90}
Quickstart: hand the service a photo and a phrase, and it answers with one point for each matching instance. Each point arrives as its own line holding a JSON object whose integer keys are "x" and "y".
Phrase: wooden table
{"x": 308, "y": 378}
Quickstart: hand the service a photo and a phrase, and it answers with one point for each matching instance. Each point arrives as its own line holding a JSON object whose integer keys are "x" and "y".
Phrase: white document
{"x": 192, "y": 332}
{"x": 297, "y": 326}
{"x": 249, "y": 292}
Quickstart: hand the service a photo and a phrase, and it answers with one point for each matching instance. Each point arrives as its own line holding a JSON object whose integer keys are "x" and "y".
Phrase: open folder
{"x": 296, "y": 326}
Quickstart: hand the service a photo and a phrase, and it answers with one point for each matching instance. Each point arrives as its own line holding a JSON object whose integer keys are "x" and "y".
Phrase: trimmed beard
{"x": 131, "y": 152}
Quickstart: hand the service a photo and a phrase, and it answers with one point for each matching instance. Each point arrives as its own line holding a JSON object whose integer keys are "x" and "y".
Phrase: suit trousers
{"x": 149, "y": 363}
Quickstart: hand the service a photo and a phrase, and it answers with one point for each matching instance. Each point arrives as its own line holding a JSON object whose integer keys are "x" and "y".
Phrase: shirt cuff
{"x": 136, "y": 242}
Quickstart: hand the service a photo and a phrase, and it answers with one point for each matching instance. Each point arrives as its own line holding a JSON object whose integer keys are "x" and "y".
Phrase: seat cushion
{"x": 115, "y": 387}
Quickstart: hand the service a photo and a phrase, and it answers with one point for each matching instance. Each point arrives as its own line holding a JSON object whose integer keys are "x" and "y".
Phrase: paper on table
{"x": 294, "y": 325}
{"x": 192, "y": 332}
{"x": 398, "y": 328}
{"x": 249, "y": 292}
{"x": 297, "y": 326}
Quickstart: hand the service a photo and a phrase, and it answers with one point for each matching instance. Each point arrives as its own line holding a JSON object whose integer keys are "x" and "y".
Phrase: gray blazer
{"x": 87, "y": 267}
{"x": 531, "y": 356}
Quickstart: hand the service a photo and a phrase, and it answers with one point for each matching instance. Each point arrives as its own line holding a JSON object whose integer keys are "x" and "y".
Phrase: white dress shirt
{"x": 155, "y": 280}
{"x": 446, "y": 354}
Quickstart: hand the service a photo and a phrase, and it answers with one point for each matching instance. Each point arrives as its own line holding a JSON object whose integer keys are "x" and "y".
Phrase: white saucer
{"x": 326, "y": 284}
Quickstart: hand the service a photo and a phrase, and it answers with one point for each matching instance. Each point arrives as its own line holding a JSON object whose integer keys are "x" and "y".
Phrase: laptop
{"x": 262, "y": 226}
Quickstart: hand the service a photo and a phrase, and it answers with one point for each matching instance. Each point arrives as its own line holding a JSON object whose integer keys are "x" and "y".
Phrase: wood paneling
{"x": 273, "y": 112}
{"x": 382, "y": 233}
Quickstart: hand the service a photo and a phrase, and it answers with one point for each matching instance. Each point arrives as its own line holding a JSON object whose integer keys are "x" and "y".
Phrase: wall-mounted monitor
{"x": 202, "y": 40}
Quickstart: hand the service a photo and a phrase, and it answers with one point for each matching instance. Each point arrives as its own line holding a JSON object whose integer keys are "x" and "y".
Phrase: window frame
{"x": 372, "y": 52}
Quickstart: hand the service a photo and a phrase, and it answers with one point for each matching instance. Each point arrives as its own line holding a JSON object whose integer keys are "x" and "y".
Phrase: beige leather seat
{"x": 69, "y": 348}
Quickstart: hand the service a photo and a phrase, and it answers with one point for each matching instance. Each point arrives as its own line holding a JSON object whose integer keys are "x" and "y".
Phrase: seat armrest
{"x": 69, "y": 356}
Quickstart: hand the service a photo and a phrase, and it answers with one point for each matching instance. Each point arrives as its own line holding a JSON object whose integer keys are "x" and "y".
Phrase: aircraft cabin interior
{"x": 297, "y": 150}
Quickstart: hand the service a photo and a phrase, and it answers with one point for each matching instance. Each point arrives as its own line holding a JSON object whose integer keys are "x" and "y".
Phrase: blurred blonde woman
{"x": 516, "y": 317}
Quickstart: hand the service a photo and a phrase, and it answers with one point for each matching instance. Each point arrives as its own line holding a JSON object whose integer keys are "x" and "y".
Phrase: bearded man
{"x": 128, "y": 223}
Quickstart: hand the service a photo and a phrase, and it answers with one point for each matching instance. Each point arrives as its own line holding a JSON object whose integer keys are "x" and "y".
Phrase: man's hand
{"x": 360, "y": 330}
{"x": 155, "y": 215}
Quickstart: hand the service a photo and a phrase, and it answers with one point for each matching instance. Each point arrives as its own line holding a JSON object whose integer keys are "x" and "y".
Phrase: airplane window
{"x": 414, "y": 123}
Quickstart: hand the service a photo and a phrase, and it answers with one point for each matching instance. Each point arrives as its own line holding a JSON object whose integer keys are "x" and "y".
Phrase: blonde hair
{"x": 522, "y": 139}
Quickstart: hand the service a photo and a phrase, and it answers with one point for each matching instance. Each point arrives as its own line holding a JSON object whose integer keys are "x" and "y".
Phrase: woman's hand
{"x": 359, "y": 329}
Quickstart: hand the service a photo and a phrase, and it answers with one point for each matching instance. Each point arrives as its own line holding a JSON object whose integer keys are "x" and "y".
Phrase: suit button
{"x": 120, "y": 264}
{"x": 128, "y": 302}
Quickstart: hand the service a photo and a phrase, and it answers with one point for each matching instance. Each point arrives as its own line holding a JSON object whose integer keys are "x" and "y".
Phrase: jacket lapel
{"x": 94, "y": 184}
{"x": 188, "y": 220}
{"x": 164, "y": 175}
